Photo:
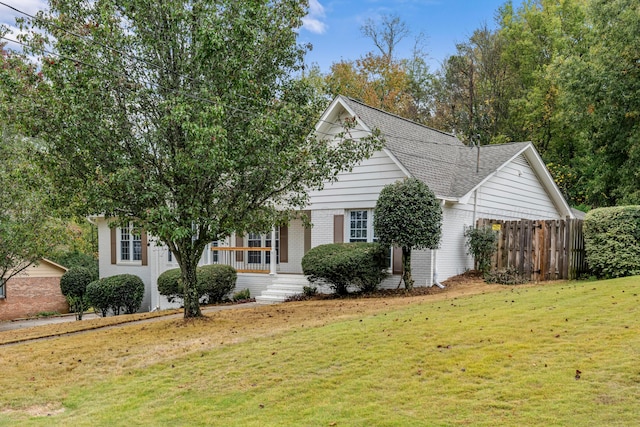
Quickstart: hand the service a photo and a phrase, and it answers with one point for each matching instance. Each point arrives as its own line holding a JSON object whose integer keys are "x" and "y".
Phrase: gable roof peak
{"x": 348, "y": 99}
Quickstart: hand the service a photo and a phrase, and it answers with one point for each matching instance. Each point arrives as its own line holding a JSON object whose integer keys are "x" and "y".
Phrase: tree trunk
{"x": 406, "y": 268}
{"x": 191, "y": 294}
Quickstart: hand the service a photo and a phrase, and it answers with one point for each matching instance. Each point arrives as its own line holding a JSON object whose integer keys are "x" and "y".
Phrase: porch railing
{"x": 243, "y": 259}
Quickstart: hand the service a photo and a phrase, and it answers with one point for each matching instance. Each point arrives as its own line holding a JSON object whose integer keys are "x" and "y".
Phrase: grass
{"x": 506, "y": 356}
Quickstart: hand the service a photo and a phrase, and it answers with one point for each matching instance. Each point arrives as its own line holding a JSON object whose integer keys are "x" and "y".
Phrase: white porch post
{"x": 273, "y": 264}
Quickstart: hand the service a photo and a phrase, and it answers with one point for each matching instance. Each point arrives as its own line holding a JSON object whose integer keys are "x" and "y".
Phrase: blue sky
{"x": 333, "y": 26}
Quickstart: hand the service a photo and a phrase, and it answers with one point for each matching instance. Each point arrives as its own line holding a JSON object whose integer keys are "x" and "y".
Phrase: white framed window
{"x": 215, "y": 255}
{"x": 360, "y": 227}
{"x": 3, "y": 288}
{"x": 255, "y": 240}
{"x": 129, "y": 245}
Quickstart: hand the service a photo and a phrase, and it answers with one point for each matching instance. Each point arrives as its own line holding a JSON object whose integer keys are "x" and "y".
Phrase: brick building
{"x": 35, "y": 290}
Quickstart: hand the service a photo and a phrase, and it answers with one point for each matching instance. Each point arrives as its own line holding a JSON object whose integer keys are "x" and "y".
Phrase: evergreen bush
{"x": 612, "y": 241}
{"x": 216, "y": 281}
{"x": 345, "y": 265}
{"x": 98, "y": 296}
{"x": 73, "y": 285}
{"x": 169, "y": 284}
{"x": 120, "y": 293}
{"x": 482, "y": 244}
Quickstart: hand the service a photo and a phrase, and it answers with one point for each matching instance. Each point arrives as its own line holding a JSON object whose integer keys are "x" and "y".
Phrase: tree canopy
{"x": 409, "y": 216}
{"x": 561, "y": 74}
{"x": 185, "y": 117}
{"x": 27, "y": 232}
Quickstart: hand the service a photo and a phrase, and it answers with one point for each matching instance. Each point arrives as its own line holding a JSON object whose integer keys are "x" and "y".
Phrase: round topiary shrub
{"x": 345, "y": 265}
{"x": 128, "y": 291}
{"x": 169, "y": 284}
{"x": 99, "y": 296}
{"x": 73, "y": 285}
{"x": 216, "y": 281}
{"x": 612, "y": 241}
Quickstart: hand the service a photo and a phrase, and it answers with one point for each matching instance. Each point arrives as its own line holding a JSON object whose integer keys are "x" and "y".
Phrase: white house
{"x": 507, "y": 181}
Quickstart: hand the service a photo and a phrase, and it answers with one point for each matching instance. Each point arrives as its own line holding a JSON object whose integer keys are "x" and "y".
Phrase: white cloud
{"x": 29, "y": 6}
{"x": 8, "y": 16}
{"x": 313, "y": 21}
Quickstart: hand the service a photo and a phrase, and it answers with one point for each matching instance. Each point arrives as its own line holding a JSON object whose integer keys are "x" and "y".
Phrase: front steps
{"x": 282, "y": 287}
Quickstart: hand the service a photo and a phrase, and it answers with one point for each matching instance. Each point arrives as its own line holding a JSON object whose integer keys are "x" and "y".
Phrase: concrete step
{"x": 282, "y": 287}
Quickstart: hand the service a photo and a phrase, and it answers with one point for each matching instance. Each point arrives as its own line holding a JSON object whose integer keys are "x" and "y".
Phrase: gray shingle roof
{"x": 439, "y": 159}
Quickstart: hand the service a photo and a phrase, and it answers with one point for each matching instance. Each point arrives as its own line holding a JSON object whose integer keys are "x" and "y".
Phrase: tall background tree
{"x": 600, "y": 81}
{"x": 407, "y": 215}
{"x": 381, "y": 79}
{"x": 27, "y": 232}
{"x": 182, "y": 117}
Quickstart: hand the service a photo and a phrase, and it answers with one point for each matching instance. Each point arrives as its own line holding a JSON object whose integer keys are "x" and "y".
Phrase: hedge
{"x": 120, "y": 293}
{"x": 345, "y": 265}
{"x": 612, "y": 241}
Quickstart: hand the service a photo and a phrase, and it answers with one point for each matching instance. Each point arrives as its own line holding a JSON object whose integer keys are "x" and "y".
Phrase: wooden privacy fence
{"x": 539, "y": 249}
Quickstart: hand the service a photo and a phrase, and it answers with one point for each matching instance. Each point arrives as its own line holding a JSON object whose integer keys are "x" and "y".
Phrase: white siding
{"x": 322, "y": 230}
{"x": 511, "y": 194}
{"x": 295, "y": 247}
{"x": 451, "y": 258}
{"x": 515, "y": 192}
{"x": 360, "y": 187}
{"x": 107, "y": 269}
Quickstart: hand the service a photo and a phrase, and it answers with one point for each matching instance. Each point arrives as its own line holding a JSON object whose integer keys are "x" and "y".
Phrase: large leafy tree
{"x": 471, "y": 91}
{"x": 184, "y": 117}
{"x": 376, "y": 80}
{"x": 408, "y": 215}
{"x": 382, "y": 79}
{"x": 601, "y": 81}
{"x": 27, "y": 232}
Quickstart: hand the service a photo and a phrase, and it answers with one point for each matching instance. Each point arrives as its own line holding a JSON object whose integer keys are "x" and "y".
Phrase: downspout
{"x": 475, "y": 207}
{"x": 434, "y": 258}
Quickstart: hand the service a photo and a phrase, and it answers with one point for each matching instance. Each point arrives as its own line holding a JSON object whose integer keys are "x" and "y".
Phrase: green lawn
{"x": 498, "y": 358}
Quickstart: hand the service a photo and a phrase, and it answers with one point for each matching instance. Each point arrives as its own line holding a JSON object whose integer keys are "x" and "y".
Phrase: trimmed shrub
{"x": 128, "y": 291}
{"x": 169, "y": 284}
{"x": 309, "y": 291}
{"x": 98, "y": 296}
{"x": 73, "y": 285}
{"x": 482, "y": 244}
{"x": 120, "y": 293}
{"x": 612, "y": 241}
{"x": 216, "y": 281}
{"x": 408, "y": 216}
{"x": 345, "y": 265}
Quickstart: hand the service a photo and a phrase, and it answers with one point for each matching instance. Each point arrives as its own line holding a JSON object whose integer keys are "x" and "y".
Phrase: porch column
{"x": 273, "y": 264}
